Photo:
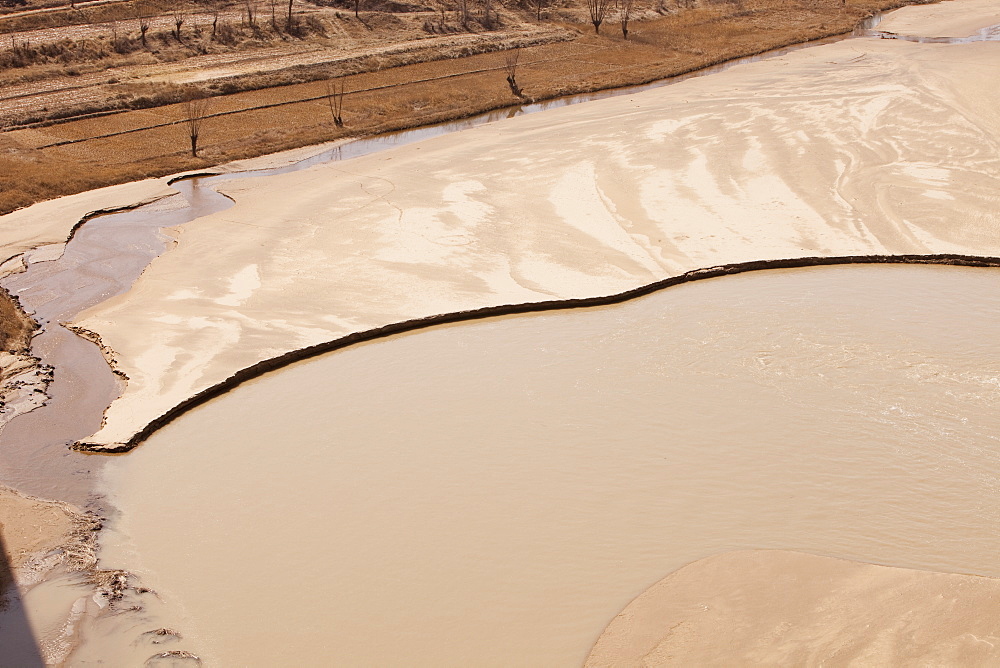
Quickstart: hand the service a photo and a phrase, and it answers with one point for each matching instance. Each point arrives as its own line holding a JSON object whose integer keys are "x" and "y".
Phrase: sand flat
{"x": 859, "y": 147}
{"x": 783, "y": 608}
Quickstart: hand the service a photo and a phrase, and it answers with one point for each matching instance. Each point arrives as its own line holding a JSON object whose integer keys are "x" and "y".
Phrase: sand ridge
{"x": 788, "y": 608}
{"x": 860, "y": 147}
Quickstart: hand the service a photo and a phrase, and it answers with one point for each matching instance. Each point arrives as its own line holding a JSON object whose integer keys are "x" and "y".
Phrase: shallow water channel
{"x": 493, "y": 493}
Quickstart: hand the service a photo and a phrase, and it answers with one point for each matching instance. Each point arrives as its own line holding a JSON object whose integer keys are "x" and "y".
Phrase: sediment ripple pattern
{"x": 860, "y": 147}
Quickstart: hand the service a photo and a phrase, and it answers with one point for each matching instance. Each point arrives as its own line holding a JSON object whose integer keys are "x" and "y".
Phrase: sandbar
{"x": 860, "y": 147}
{"x": 778, "y": 608}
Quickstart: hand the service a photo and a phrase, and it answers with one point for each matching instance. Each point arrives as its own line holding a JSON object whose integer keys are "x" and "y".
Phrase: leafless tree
{"x": 216, "y": 6}
{"x": 463, "y": 6}
{"x": 510, "y": 66}
{"x": 195, "y": 110}
{"x": 335, "y": 98}
{"x": 598, "y": 12}
{"x": 538, "y": 8}
{"x": 250, "y": 6}
{"x": 487, "y": 11}
{"x": 179, "y": 18}
{"x": 274, "y": 13}
{"x": 142, "y": 18}
{"x": 625, "y": 8}
{"x": 290, "y": 15}
{"x": 357, "y": 6}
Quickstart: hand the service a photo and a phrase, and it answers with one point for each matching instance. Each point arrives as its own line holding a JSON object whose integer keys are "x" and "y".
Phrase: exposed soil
{"x": 30, "y": 527}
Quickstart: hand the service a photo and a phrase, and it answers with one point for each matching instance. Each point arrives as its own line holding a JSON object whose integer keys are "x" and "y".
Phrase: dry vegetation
{"x": 95, "y": 95}
{"x": 16, "y": 328}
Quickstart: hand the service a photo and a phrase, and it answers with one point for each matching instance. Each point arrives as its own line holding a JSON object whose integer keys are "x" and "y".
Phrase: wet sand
{"x": 42, "y": 542}
{"x": 774, "y": 608}
{"x": 43, "y": 228}
{"x": 952, "y": 18}
{"x": 39, "y": 232}
{"x": 860, "y": 147}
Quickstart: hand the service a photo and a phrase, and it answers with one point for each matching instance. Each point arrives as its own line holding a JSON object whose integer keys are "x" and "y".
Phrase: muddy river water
{"x": 493, "y": 493}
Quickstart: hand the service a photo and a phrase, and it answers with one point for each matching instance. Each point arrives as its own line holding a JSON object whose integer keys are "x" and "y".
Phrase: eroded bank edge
{"x": 272, "y": 364}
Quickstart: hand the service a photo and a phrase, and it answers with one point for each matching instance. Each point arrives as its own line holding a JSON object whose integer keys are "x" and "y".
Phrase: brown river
{"x": 493, "y": 493}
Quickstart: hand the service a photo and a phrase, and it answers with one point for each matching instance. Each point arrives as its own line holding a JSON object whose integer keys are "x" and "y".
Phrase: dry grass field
{"x": 87, "y": 102}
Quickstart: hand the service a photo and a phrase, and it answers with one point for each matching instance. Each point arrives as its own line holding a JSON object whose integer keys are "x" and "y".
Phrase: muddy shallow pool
{"x": 493, "y": 493}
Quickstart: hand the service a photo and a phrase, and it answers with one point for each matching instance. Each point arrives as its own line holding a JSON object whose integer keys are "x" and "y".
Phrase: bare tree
{"x": 195, "y": 110}
{"x": 290, "y": 15}
{"x": 216, "y": 6}
{"x": 487, "y": 10}
{"x": 335, "y": 98}
{"x": 357, "y": 6}
{"x": 538, "y": 8}
{"x": 598, "y": 12}
{"x": 142, "y": 18}
{"x": 625, "y": 8}
{"x": 250, "y": 6}
{"x": 179, "y": 18}
{"x": 274, "y": 13}
{"x": 463, "y": 6}
{"x": 510, "y": 66}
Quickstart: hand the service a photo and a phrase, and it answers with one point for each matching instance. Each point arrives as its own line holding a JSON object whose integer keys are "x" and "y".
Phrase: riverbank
{"x": 40, "y": 163}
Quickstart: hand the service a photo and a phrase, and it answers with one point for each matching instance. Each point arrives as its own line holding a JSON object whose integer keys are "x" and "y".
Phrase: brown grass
{"x": 256, "y": 122}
